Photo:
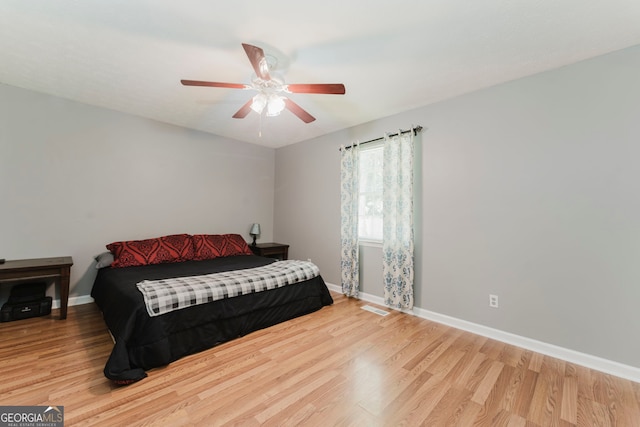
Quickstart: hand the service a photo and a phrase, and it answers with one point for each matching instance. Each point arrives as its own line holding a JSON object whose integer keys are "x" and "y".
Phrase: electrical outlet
{"x": 493, "y": 301}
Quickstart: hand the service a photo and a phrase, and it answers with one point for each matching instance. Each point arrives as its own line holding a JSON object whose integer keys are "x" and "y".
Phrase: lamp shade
{"x": 255, "y": 230}
{"x": 275, "y": 105}
{"x": 258, "y": 104}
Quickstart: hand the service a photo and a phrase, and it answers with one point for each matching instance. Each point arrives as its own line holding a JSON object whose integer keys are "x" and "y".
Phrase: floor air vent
{"x": 375, "y": 310}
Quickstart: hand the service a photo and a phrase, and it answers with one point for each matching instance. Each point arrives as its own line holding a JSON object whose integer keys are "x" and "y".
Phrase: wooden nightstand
{"x": 271, "y": 250}
{"x": 41, "y": 268}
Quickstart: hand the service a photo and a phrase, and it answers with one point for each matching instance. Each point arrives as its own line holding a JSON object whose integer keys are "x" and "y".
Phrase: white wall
{"x": 75, "y": 178}
{"x": 530, "y": 190}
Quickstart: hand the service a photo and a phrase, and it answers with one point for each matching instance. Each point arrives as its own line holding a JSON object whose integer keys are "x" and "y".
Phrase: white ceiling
{"x": 392, "y": 56}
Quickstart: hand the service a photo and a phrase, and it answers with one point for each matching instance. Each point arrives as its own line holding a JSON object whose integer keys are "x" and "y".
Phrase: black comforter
{"x": 143, "y": 342}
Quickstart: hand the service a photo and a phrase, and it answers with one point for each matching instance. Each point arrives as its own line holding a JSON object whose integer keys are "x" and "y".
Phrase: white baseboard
{"x": 84, "y": 299}
{"x": 589, "y": 361}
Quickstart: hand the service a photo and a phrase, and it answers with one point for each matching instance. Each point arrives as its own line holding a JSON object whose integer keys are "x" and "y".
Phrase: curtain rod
{"x": 414, "y": 129}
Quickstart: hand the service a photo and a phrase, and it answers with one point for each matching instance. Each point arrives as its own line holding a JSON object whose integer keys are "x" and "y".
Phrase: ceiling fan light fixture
{"x": 275, "y": 105}
{"x": 259, "y": 102}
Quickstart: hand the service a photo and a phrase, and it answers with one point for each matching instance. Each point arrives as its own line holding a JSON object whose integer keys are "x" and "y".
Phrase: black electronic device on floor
{"x": 26, "y": 300}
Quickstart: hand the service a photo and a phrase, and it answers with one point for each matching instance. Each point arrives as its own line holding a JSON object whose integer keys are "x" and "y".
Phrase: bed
{"x": 143, "y": 341}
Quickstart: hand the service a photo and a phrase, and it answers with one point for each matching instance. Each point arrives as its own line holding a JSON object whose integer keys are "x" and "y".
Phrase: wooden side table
{"x": 40, "y": 268}
{"x": 271, "y": 250}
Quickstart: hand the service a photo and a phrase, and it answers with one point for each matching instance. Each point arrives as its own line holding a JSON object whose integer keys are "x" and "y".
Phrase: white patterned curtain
{"x": 397, "y": 221}
{"x": 349, "y": 194}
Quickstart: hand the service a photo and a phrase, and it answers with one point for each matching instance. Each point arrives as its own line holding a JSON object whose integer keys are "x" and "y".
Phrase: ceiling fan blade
{"x": 326, "y": 88}
{"x": 244, "y": 110}
{"x": 298, "y": 111}
{"x": 258, "y": 61}
{"x": 215, "y": 84}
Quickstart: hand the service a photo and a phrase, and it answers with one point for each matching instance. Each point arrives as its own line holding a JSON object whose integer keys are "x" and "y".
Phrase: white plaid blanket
{"x": 163, "y": 296}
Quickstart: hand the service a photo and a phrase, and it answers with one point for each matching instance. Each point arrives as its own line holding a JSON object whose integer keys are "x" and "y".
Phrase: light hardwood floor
{"x": 338, "y": 366}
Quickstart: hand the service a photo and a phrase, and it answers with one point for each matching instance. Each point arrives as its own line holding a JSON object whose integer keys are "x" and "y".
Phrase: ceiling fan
{"x": 270, "y": 87}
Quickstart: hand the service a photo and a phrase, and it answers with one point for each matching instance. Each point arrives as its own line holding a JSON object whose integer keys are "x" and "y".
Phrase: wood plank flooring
{"x": 340, "y": 366}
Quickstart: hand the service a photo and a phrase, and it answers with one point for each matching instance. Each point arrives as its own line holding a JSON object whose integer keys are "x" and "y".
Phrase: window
{"x": 370, "y": 197}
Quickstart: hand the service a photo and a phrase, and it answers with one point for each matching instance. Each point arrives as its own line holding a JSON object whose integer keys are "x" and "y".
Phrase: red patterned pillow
{"x": 209, "y": 246}
{"x": 166, "y": 249}
{"x": 236, "y": 245}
